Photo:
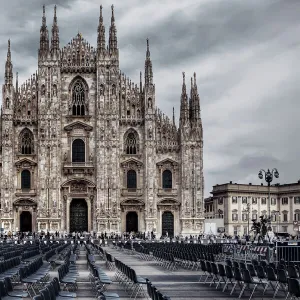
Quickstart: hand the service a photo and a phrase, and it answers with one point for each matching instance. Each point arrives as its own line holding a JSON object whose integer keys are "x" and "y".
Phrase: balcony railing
{"x": 25, "y": 192}
{"x": 87, "y": 164}
{"x": 132, "y": 192}
{"x": 163, "y": 192}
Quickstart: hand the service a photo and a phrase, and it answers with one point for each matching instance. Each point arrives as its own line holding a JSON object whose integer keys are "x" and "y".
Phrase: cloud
{"x": 245, "y": 54}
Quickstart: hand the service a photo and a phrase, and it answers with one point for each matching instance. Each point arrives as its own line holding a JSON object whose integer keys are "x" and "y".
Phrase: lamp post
{"x": 278, "y": 216}
{"x": 247, "y": 210}
{"x": 269, "y": 175}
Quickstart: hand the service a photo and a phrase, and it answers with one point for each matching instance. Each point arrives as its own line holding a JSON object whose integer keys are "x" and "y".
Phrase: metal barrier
{"x": 289, "y": 251}
{"x": 248, "y": 252}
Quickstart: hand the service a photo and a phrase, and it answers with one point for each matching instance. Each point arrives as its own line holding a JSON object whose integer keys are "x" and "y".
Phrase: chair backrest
{"x": 221, "y": 270}
{"x": 294, "y": 287}
{"x": 260, "y": 272}
{"x": 8, "y": 284}
{"x": 3, "y": 291}
{"x": 214, "y": 268}
{"x": 251, "y": 270}
{"x": 281, "y": 275}
{"x": 246, "y": 276}
{"x": 237, "y": 274}
{"x": 292, "y": 272}
{"x": 229, "y": 272}
{"x": 38, "y": 297}
{"x": 271, "y": 274}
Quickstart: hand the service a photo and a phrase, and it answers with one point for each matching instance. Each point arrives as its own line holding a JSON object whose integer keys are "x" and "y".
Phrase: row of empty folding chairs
{"x": 11, "y": 254}
{"x": 52, "y": 291}
{"x": 8, "y": 293}
{"x": 154, "y": 293}
{"x": 55, "y": 256}
{"x": 165, "y": 260}
{"x": 99, "y": 281}
{"x": 245, "y": 276}
{"x": 127, "y": 277}
{"x": 10, "y": 268}
{"x": 67, "y": 274}
{"x": 34, "y": 275}
{"x": 31, "y": 255}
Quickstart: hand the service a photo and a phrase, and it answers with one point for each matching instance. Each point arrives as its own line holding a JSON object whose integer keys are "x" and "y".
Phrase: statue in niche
{"x": 113, "y": 91}
{"x": 65, "y": 156}
{"x": 150, "y": 132}
{"x": 149, "y": 103}
{"x": 6, "y": 133}
{"x": 54, "y": 90}
{"x": 101, "y": 91}
{"x": 43, "y": 90}
{"x": 91, "y": 157}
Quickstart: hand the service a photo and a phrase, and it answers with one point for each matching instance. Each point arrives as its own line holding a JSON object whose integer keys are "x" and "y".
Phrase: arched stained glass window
{"x": 131, "y": 146}
{"x": 26, "y": 142}
{"x": 78, "y": 98}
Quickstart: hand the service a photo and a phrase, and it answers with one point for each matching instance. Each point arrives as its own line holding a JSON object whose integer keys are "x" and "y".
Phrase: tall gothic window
{"x": 78, "y": 151}
{"x": 131, "y": 179}
{"x": 167, "y": 179}
{"x": 131, "y": 144}
{"x": 25, "y": 180}
{"x": 78, "y": 98}
{"x": 26, "y": 142}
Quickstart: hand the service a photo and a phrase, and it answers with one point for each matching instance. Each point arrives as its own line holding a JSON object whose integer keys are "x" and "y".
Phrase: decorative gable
{"x": 25, "y": 163}
{"x": 131, "y": 164}
{"x": 78, "y": 126}
{"x": 167, "y": 162}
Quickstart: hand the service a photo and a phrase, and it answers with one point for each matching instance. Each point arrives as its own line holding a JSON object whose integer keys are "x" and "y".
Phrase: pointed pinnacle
{"x": 183, "y": 77}
{"x": 148, "y": 51}
{"x": 44, "y": 16}
{"x": 194, "y": 78}
{"x": 112, "y": 14}
{"x": 101, "y": 17}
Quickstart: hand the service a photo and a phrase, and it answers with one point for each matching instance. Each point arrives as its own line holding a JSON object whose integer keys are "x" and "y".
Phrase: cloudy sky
{"x": 245, "y": 53}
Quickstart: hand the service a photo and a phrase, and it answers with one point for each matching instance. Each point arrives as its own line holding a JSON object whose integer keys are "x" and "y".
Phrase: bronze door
{"x": 167, "y": 224}
{"x": 78, "y": 215}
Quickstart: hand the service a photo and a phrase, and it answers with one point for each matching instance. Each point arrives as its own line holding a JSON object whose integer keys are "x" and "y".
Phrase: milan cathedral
{"x": 83, "y": 148}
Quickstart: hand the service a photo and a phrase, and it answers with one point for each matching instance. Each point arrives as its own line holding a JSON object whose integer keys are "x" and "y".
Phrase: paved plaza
{"x": 179, "y": 284}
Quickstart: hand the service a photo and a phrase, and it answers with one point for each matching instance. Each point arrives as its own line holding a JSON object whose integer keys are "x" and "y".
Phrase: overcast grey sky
{"x": 245, "y": 53}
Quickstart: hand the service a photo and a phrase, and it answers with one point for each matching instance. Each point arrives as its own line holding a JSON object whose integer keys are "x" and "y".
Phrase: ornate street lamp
{"x": 269, "y": 175}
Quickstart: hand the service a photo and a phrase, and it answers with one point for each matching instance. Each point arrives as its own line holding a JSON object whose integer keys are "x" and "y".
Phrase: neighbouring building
{"x": 235, "y": 203}
{"x": 83, "y": 148}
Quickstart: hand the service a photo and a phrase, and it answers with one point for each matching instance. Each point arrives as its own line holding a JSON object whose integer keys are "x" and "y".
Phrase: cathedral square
{"x": 86, "y": 149}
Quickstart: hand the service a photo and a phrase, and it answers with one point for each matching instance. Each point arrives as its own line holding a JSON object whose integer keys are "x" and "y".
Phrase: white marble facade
{"x": 80, "y": 129}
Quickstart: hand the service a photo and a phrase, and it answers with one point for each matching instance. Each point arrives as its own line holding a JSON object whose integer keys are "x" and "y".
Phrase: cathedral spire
{"x": 197, "y": 117}
{"x": 17, "y": 82}
{"x": 173, "y": 116}
{"x": 44, "y": 35}
{"x": 55, "y": 33}
{"x": 113, "y": 42}
{"x": 8, "y": 67}
{"x": 184, "y": 107}
{"x": 148, "y": 67}
{"x": 141, "y": 83}
{"x": 101, "y": 33}
{"x": 191, "y": 102}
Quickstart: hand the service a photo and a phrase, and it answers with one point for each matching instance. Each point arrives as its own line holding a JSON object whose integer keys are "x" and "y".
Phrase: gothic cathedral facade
{"x": 85, "y": 149}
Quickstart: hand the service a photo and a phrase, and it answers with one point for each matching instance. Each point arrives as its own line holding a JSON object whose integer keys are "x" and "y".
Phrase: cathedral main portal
{"x": 78, "y": 215}
{"x": 132, "y": 222}
{"x": 26, "y": 221}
